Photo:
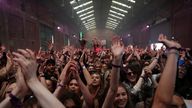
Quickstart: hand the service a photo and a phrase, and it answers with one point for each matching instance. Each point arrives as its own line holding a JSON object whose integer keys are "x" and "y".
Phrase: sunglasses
{"x": 130, "y": 73}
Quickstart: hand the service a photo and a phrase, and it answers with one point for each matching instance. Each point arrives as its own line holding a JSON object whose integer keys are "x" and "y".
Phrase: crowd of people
{"x": 118, "y": 77}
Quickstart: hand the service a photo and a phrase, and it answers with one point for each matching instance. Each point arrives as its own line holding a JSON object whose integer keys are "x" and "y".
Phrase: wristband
{"x": 15, "y": 101}
{"x": 116, "y": 66}
{"x": 175, "y": 48}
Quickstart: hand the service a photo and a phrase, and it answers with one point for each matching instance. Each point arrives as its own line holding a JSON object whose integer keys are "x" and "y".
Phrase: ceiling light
{"x": 117, "y": 13}
{"x": 115, "y": 16}
{"x": 86, "y": 22}
{"x": 84, "y": 4}
{"x": 112, "y": 19}
{"x": 78, "y": 12}
{"x": 86, "y": 13}
{"x": 121, "y": 4}
{"x": 90, "y": 19}
{"x": 87, "y": 17}
{"x": 89, "y": 24}
{"x": 119, "y": 9}
{"x": 112, "y": 22}
{"x": 110, "y": 27}
{"x": 93, "y": 26}
{"x": 132, "y": 1}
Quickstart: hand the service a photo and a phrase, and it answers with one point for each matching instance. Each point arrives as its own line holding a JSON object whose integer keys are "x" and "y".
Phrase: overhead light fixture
{"x": 93, "y": 26}
{"x": 89, "y": 24}
{"x": 112, "y": 22}
{"x": 86, "y": 13}
{"x": 112, "y": 19}
{"x": 81, "y": 11}
{"x": 115, "y": 16}
{"x": 86, "y": 22}
{"x": 132, "y": 1}
{"x": 72, "y": 2}
{"x": 109, "y": 27}
{"x": 121, "y": 4}
{"x": 84, "y": 4}
{"x": 119, "y": 9}
{"x": 87, "y": 17}
{"x": 91, "y": 19}
{"x": 117, "y": 13}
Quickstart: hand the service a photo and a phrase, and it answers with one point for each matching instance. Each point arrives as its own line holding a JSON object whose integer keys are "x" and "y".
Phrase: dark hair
{"x": 70, "y": 95}
{"x": 50, "y": 61}
{"x": 183, "y": 86}
{"x": 3, "y": 60}
{"x": 135, "y": 66}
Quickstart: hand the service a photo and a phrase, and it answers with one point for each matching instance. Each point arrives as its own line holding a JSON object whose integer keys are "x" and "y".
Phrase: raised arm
{"x": 117, "y": 49}
{"x": 20, "y": 91}
{"x": 88, "y": 97}
{"x": 85, "y": 71}
{"x": 165, "y": 89}
{"x": 26, "y": 59}
{"x": 62, "y": 80}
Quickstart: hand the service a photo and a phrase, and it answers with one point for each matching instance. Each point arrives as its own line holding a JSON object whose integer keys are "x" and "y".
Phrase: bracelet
{"x": 116, "y": 66}
{"x": 175, "y": 48}
{"x": 15, "y": 101}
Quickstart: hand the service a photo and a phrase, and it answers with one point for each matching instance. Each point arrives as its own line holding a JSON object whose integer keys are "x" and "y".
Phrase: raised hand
{"x": 117, "y": 47}
{"x": 168, "y": 43}
{"x": 26, "y": 59}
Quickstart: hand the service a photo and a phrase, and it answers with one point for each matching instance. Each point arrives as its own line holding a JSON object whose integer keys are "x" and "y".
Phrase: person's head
{"x": 50, "y": 65}
{"x": 74, "y": 86}
{"x": 70, "y": 100}
{"x": 182, "y": 71}
{"x": 132, "y": 72}
{"x": 122, "y": 98}
{"x": 98, "y": 67}
{"x": 96, "y": 79}
{"x": 90, "y": 68}
{"x": 104, "y": 67}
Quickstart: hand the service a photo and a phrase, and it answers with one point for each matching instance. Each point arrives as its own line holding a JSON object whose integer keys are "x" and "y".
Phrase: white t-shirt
{"x": 188, "y": 103}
